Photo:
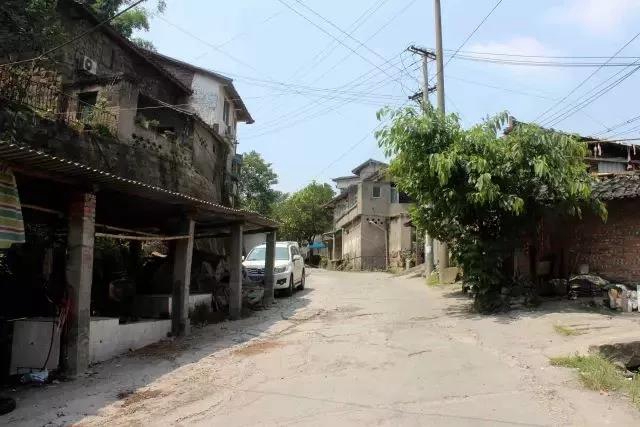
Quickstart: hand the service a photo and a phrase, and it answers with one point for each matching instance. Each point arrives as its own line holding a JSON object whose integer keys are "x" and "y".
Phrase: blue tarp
{"x": 317, "y": 245}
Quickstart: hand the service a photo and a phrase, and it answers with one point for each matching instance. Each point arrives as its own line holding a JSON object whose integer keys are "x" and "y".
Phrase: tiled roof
{"x": 617, "y": 186}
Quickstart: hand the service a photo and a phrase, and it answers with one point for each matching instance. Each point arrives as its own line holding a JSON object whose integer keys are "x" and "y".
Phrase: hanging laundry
{"x": 11, "y": 223}
{"x": 599, "y": 150}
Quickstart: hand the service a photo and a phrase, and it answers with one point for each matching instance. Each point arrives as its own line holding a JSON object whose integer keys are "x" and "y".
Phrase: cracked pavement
{"x": 352, "y": 349}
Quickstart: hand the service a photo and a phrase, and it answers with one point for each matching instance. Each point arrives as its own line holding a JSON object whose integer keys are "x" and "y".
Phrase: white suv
{"x": 288, "y": 271}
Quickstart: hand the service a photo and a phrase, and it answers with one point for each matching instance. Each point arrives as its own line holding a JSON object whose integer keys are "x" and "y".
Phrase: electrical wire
{"x": 375, "y": 33}
{"x": 559, "y": 118}
{"x": 75, "y": 39}
{"x": 330, "y": 47}
{"x": 332, "y": 36}
{"x": 474, "y": 31}
{"x": 468, "y": 38}
{"x": 583, "y": 82}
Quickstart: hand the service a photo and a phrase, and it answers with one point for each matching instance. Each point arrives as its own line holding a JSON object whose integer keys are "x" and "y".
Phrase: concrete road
{"x": 351, "y": 349}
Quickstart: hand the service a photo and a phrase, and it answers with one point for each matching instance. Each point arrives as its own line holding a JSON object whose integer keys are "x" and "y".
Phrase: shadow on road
{"x": 67, "y": 403}
{"x": 461, "y": 306}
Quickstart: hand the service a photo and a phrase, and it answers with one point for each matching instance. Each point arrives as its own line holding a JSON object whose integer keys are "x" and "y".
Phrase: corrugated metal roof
{"x": 38, "y": 160}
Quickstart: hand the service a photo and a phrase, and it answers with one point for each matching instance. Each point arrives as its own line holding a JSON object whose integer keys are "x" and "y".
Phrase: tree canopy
{"x": 481, "y": 191}
{"x": 255, "y": 184}
{"x": 303, "y": 215}
{"x": 130, "y": 21}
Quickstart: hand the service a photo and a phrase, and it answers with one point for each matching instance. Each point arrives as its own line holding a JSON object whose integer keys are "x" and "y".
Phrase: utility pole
{"x": 443, "y": 248}
{"x": 426, "y": 55}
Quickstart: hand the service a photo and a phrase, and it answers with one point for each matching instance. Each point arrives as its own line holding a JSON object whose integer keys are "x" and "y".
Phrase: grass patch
{"x": 433, "y": 279}
{"x": 598, "y": 373}
{"x": 567, "y": 331}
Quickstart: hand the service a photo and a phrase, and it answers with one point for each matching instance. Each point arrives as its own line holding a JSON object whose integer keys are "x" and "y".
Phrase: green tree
{"x": 303, "y": 215}
{"x": 255, "y": 185}
{"x": 30, "y": 26}
{"x": 482, "y": 191}
{"x": 130, "y": 21}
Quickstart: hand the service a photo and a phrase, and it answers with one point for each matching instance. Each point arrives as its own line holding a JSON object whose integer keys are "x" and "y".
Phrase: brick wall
{"x": 611, "y": 249}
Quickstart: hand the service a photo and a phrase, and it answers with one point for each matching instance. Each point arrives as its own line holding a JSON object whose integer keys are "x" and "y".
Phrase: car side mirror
{"x": 297, "y": 257}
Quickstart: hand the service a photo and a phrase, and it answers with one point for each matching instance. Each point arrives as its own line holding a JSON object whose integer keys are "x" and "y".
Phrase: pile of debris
{"x": 620, "y": 296}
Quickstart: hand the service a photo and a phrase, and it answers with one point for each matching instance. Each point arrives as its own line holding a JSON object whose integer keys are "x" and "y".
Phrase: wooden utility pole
{"x": 443, "y": 249}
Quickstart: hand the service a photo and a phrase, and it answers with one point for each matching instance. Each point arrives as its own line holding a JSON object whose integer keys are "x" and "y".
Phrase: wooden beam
{"x": 127, "y": 230}
{"x": 227, "y": 234}
{"x": 42, "y": 209}
{"x": 128, "y": 237}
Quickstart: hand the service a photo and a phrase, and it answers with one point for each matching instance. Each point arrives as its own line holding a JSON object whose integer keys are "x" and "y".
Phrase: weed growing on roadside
{"x": 600, "y": 374}
{"x": 567, "y": 331}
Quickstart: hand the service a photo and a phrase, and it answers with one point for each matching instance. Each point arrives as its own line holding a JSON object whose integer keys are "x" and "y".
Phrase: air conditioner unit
{"x": 88, "y": 65}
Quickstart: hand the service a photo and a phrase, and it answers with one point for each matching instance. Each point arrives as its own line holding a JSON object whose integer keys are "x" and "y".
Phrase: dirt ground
{"x": 351, "y": 349}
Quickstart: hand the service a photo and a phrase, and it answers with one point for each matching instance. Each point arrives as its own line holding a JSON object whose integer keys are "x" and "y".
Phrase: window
{"x": 86, "y": 102}
{"x": 258, "y": 253}
{"x": 393, "y": 195}
{"x": 375, "y": 193}
{"x": 226, "y": 109}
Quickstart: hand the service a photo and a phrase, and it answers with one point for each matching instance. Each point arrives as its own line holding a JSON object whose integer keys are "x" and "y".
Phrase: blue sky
{"x": 308, "y": 132}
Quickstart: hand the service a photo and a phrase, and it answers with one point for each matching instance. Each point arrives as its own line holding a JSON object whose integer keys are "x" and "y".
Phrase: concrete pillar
{"x": 79, "y": 272}
{"x": 182, "y": 257}
{"x": 235, "y": 270}
{"x": 428, "y": 255}
{"x": 269, "y": 264}
{"x": 443, "y": 256}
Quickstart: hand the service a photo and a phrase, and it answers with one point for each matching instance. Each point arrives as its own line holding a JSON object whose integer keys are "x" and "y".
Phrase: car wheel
{"x": 291, "y": 287}
{"x": 301, "y": 287}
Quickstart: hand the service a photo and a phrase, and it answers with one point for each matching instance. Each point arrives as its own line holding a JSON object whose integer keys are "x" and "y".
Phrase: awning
{"x": 204, "y": 211}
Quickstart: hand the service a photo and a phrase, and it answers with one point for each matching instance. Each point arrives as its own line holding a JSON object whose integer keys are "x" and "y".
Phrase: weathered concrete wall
{"x": 373, "y": 242}
{"x": 399, "y": 239}
{"x": 112, "y": 58}
{"x": 611, "y": 249}
{"x": 374, "y": 205}
{"x": 352, "y": 243}
{"x": 127, "y": 160}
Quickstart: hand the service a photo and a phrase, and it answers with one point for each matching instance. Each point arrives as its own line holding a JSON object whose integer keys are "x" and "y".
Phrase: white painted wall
{"x": 107, "y": 338}
{"x": 208, "y": 101}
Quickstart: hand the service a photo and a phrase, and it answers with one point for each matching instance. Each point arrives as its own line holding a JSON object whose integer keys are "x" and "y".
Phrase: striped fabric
{"x": 11, "y": 224}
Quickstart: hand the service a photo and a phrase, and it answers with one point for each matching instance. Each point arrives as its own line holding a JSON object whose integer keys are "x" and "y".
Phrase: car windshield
{"x": 258, "y": 254}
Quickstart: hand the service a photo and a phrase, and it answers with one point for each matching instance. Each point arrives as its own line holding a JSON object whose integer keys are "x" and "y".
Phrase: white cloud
{"x": 597, "y": 16}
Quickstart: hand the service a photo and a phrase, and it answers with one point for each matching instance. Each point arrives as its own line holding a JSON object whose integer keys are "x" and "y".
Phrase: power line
{"x": 380, "y": 29}
{"x": 583, "y": 82}
{"x": 331, "y": 35}
{"x": 467, "y": 52}
{"x": 313, "y": 115}
{"x": 568, "y": 113}
{"x": 75, "y": 39}
{"x": 330, "y": 47}
{"x": 474, "y": 31}
{"x": 529, "y": 63}
{"x": 309, "y": 107}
